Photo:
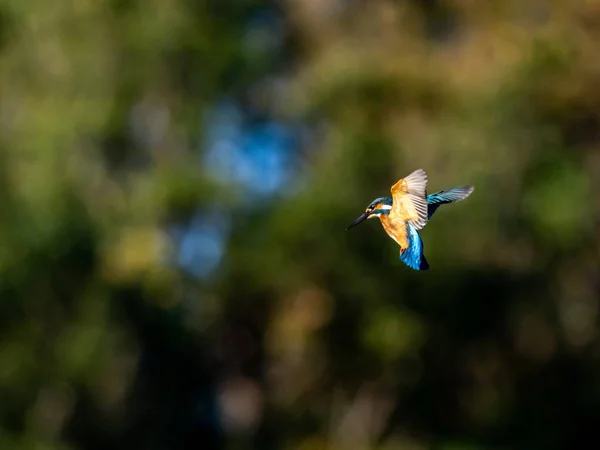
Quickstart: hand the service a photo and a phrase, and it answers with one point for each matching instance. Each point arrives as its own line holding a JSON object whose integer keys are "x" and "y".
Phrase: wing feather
{"x": 448, "y": 196}
{"x": 409, "y": 196}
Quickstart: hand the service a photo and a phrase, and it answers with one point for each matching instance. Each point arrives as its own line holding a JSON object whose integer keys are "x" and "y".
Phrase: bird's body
{"x": 407, "y": 211}
{"x": 396, "y": 229}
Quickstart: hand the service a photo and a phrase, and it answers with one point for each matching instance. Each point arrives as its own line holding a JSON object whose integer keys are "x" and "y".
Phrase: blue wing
{"x": 413, "y": 256}
{"x": 434, "y": 201}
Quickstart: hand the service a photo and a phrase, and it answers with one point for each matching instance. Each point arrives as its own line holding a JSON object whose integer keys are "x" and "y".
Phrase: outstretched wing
{"x": 448, "y": 196}
{"x": 409, "y": 196}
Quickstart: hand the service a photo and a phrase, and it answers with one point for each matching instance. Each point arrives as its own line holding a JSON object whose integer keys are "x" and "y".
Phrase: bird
{"x": 407, "y": 211}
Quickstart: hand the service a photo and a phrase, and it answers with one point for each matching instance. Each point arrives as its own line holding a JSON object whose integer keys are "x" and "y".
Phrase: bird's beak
{"x": 362, "y": 218}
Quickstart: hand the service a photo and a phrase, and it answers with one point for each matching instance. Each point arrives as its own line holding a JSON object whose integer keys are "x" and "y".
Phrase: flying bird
{"x": 407, "y": 211}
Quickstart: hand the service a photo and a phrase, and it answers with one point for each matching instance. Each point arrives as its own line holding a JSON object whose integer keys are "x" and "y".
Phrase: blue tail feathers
{"x": 413, "y": 256}
{"x": 434, "y": 201}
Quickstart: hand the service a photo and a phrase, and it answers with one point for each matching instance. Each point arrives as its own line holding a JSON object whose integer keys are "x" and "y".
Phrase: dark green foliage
{"x": 300, "y": 336}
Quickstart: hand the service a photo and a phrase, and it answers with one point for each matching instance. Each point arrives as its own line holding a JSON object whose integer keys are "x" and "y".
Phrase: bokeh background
{"x": 175, "y": 181}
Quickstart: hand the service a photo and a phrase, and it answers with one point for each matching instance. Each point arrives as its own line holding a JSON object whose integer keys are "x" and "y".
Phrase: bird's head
{"x": 376, "y": 208}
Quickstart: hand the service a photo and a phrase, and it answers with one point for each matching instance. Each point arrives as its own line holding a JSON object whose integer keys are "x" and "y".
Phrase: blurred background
{"x": 175, "y": 181}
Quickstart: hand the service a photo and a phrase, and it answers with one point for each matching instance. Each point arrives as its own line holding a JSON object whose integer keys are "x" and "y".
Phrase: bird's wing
{"x": 448, "y": 196}
{"x": 409, "y": 196}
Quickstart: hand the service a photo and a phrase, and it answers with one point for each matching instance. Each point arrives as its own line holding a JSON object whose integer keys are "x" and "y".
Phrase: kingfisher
{"x": 407, "y": 211}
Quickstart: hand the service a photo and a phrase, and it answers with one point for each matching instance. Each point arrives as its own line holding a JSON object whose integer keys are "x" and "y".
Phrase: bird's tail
{"x": 413, "y": 256}
{"x": 434, "y": 201}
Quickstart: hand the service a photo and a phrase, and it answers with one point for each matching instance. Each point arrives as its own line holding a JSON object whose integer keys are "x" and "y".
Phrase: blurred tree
{"x": 176, "y": 177}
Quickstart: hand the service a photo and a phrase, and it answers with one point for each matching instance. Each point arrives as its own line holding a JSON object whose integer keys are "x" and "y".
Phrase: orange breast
{"x": 396, "y": 229}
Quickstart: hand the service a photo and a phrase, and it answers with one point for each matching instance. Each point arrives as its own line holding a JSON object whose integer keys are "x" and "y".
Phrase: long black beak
{"x": 362, "y": 218}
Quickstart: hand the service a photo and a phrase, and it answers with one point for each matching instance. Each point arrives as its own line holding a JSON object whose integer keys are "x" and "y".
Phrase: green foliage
{"x": 303, "y": 336}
